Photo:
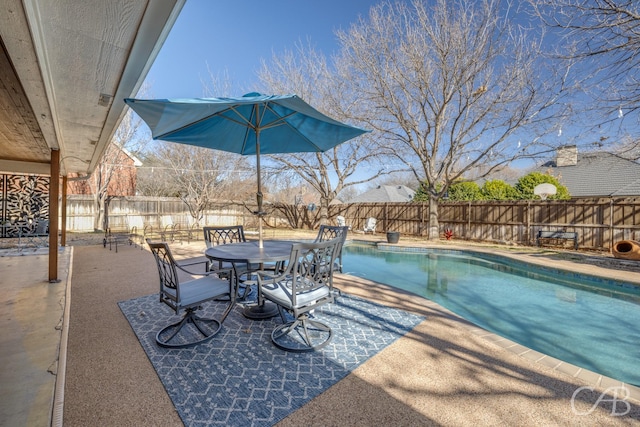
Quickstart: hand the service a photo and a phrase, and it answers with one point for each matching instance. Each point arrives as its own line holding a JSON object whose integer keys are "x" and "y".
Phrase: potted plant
{"x": 448, "y": 233}
{"x": 393, "y": 236}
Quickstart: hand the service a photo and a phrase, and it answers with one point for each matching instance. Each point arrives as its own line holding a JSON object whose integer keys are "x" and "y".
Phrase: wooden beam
{"x": 63, "y": 235}
{"x": 54, "y": 191}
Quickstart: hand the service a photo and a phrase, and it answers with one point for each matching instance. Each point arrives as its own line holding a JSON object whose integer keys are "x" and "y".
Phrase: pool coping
{"x": 523, "y": 255}
{"x": 589, "y": 377}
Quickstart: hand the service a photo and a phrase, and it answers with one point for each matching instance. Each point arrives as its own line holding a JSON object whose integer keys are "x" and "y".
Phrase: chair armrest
{"x": 270, "y": 276}
{"x": 182, "y": 266}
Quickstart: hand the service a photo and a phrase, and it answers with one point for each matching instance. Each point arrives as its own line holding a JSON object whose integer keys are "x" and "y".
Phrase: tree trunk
{"x": 434, "y": 226}
{"x": 324, "y": 211}
{"x": 105, "y": 220}
{"x": 99, "y": 218}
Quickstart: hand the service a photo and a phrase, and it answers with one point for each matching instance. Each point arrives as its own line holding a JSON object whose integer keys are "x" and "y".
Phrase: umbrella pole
{"x": 259, "y": 194}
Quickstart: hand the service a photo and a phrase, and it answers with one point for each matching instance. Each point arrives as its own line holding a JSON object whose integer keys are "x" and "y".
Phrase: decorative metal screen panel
{"x": 23, "y": 199}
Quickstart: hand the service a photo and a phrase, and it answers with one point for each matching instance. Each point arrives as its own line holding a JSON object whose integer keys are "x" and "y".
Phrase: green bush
{"x": 422, "y": 194}
{"x": 497, "y": 189}
{"x": 464, "y": 190}
{"x": 527, "y": 183}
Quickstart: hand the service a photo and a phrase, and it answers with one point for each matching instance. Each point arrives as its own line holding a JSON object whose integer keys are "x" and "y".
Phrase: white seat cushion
{"x": 280, "y": 293}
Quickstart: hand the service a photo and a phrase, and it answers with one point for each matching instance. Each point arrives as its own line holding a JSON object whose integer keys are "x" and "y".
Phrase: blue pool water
{"x": 582, "y": 320}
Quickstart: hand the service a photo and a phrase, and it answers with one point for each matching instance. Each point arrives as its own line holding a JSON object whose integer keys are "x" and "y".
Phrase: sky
{"x": 234, "y": 35}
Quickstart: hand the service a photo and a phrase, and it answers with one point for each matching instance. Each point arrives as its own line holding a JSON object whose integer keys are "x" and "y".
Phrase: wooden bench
{"x": 549, "y": 235}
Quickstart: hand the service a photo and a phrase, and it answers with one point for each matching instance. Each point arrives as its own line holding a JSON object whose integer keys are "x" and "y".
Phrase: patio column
{"x": 63, "y": 234}
{"x": 54, "y": 190}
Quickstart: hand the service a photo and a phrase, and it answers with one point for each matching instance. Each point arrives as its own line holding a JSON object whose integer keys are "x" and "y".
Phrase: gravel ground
{"x": 440, "y": 374}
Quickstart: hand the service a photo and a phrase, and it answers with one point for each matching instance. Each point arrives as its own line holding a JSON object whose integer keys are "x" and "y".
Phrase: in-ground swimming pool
{"x": 586, "y": 321}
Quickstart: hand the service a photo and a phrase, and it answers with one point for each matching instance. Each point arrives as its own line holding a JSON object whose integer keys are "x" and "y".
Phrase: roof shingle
{"x": 597, "y": 174}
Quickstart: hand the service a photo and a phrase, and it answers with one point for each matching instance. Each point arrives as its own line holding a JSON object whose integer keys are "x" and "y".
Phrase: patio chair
{"x": 370, "y": 225}
{"x": 214, "y": 236}
{"x": 188, "y": 296}
{"x": 185, "y": 232}
{"x": 36, "y": 233}
{"x": 303, "y": 286}
{"x": 330, "y": 232}
{"x": 342, "y": 222}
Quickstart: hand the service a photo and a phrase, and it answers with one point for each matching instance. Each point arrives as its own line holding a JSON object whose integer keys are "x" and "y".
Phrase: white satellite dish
{"x": 545, "y": 190}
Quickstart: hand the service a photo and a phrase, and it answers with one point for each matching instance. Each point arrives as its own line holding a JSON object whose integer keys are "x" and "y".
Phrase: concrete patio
{"x": 444, "y": 372}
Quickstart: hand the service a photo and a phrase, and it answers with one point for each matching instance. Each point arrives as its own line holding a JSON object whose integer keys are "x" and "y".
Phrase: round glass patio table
{"x": 250, "y": 253}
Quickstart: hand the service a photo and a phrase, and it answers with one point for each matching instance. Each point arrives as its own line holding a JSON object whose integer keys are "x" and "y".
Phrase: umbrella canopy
{"x": 252, "y": 124}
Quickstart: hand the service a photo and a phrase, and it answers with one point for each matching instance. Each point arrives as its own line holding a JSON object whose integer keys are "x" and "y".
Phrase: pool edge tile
{"x": 589, "y": 377}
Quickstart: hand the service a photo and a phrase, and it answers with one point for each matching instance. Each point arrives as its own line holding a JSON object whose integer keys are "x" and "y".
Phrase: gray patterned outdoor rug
{"x": 239, "y": 378}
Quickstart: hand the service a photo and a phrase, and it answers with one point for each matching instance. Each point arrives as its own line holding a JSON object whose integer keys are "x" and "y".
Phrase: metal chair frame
{"x": 221, "y": 235}
{"x": 188, "y": 296}
{"x": 214, "y": 236}
{"x": 330, "y": 232}
{"x": 303, "y": 286}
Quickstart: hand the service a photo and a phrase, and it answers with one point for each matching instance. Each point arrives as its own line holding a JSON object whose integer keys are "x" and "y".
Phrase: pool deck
{"x": 486, "y": 378}
{"x": 592, "y": 264}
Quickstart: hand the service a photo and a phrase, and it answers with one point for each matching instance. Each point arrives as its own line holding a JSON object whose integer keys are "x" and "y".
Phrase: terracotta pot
{"x": 627, "y": 249}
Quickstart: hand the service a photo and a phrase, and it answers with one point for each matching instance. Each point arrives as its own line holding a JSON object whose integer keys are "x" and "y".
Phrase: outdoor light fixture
{"x": 104, "y": 100}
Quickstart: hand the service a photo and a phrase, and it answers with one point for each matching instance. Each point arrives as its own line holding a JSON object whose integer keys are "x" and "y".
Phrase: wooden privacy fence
{"x": 599, "y": 222}
{"x": 157, "y": 212}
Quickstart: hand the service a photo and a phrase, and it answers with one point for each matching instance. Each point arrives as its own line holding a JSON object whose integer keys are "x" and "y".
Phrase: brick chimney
{"x": 567, "y": 156}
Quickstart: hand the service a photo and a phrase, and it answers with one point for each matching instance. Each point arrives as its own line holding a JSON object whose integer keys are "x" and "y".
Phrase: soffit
{"x": 65, "y": 68}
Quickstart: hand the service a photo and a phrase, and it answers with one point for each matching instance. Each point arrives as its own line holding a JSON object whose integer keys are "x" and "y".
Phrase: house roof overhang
{"x": 65, "y": 69}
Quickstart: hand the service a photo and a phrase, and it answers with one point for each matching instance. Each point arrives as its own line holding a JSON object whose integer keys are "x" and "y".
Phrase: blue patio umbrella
{"x": 251, "y": 124}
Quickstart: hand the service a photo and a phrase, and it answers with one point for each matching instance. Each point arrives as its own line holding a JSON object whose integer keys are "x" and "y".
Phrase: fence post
{"x": 469, "y": 222}
{"x": 528, "y": 230}
{"x": 611, "y": 225}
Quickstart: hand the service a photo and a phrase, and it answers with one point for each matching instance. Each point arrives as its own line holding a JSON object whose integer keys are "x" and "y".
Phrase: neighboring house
{"x": 594, "y": 174}
{"x": 123, "y": 180}
{"x": 386, "y": 193}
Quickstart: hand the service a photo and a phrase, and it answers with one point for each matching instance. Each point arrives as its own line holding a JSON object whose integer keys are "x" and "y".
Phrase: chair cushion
{"x": 199, "y": 290}
{"x": 280, "y": 293}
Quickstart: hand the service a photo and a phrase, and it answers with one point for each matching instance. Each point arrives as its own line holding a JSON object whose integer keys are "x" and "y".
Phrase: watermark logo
{"x": 616, "y": 395}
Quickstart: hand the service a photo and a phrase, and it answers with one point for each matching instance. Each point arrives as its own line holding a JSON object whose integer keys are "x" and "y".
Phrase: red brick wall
{"x": 123, "y": 181}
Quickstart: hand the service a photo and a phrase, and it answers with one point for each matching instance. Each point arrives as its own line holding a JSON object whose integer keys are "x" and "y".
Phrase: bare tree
{"x": 116, "y": 161}
{"x": 218, "y": 84}
{"x": 307, "y": 73}
{"x": 628, "y": 148}
{"x": 605, "y": 35}
{"x": 453, "y": 87}
{"x": 199, "y": 176}
{"x": 154, "y": 176}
